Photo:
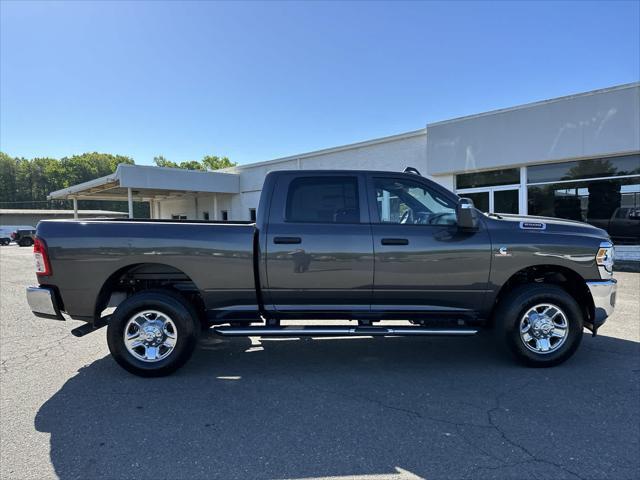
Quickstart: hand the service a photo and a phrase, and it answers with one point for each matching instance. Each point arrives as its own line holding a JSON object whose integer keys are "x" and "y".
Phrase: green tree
{"x": 160, "y": 161}
{"x": 212, "y": 162}
{"x": 191, "y": 165}
{"x": 8, "y": 178}
{"x": 87, "y": 166}
{"x": 209, "y": 162}
{"x": 26, "y": 183}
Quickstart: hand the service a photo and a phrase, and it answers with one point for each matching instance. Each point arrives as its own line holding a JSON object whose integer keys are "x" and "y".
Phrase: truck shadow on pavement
{"x": 304, "y": 408}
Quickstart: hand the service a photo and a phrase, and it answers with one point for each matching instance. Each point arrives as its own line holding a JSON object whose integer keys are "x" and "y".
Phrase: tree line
{"x": 25, "y": 183}
{"x": 208, "y": 162}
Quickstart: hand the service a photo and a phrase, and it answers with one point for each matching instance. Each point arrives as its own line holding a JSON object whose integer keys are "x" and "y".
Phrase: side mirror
{"x": 467, "y": 214}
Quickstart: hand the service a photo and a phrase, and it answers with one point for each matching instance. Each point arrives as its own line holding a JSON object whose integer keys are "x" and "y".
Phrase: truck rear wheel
{"x": 540, "y": 324}
{"x": 153, "y": 333}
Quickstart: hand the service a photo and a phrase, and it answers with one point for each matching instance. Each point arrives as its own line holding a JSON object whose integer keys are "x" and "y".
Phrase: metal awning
{"x": 147, "y": 183}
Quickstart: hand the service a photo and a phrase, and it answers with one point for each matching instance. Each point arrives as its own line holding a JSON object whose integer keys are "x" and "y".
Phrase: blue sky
{"x": 256, "y": 81}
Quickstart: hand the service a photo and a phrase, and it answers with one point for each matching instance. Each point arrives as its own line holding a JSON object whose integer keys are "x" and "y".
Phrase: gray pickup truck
{"x": 387, "y": 253}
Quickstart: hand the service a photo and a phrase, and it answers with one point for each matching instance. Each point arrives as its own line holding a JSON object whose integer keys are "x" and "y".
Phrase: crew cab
{"x": 365, "y": 247}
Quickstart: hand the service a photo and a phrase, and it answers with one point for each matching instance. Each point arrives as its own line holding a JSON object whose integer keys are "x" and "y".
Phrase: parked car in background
{"x": 24, "y": 237}
{"x": 623, "y": 226}
{"x": 7, "y": 232}
{"x": 359, "y": 246}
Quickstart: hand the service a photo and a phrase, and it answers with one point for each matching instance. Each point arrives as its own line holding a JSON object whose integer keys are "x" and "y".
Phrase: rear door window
{"x": 323, "y": 200}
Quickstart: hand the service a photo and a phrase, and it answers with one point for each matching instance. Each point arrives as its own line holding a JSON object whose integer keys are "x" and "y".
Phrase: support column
{"x": 130, "y": 201}
{"x": 75, "y": 208}
{"x": 523, "y": 196}
{"x": 215, "y": 206}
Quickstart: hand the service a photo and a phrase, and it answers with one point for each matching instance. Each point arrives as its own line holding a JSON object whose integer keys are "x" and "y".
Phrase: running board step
{"x": 322, "y": 331}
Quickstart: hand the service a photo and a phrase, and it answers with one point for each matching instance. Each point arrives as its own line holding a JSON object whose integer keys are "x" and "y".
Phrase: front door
{"x": 424, "y": 263}
{"x": 319, "y": 251}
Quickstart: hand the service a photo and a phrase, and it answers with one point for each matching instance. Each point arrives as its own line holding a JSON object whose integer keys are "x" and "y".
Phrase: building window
{"x": 224, "y": 215}
{"x": 178, "y": 217}
{"x": 508, "y": 176}
{"x": 567, "y": 190}
{"x": 252, "y": 214}
{"x": 497, "y": 191}
{"x": 205, "y": 215}
{"x": 582, "y": 169}
{"x": 481, "y": 200}
{"x": 323, "y": 200}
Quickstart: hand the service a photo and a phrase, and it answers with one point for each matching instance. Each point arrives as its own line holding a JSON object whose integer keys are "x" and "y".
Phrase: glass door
{"x": 503, "y": 199}
{"x": 480, "y": 200}
{"x": 506, "y": 200}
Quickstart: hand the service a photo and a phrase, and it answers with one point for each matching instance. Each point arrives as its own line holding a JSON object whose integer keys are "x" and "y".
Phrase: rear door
{"x": 319, "y": 252}
{"x": 424, "y": 264}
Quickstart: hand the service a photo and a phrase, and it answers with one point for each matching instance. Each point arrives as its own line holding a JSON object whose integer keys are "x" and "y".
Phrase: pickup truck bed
{"x": 214, "y": 258}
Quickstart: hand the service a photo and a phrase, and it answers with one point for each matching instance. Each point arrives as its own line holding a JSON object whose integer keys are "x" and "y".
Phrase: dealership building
{"x": 575, "y": 157}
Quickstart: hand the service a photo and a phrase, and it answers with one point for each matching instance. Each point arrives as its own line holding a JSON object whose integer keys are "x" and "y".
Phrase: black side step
{"x": 87, "y": 328}
{"x": 326, "y": 331}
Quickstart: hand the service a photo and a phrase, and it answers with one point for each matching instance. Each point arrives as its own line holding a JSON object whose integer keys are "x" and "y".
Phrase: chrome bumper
{"x": 603, "y": 293}
{"x": 43, "y": 302}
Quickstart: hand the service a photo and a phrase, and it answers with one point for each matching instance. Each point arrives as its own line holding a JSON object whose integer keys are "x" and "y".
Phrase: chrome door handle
{"x": 287, "y": 240}
{"x": 394, "y": 241}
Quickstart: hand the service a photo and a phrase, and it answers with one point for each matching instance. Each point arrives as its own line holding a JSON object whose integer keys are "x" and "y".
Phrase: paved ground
{"x": 372, "y": 408}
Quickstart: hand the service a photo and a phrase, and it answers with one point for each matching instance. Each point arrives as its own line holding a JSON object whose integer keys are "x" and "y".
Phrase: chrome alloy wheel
{"x": 150, "y": 335}
{"x": 544, "y": 328}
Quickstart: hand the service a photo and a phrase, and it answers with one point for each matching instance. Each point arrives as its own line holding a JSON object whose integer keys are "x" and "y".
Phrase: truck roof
{"x": 344, "y": 171}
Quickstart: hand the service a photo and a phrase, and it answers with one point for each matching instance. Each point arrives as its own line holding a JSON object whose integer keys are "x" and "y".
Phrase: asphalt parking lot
{"x": 396, "y": 408}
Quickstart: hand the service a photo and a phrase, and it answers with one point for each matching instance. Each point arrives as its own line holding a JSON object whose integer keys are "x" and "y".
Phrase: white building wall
{"x": 447, "y": 181}
{"x": 599, "y": 123}
{"x": 206, "y": 203}
{"x": 390, "y": 153}
{"x": 179, "y": 206}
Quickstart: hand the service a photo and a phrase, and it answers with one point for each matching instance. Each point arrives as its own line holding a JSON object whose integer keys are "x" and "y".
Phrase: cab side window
{"x": 407, "y": 202}
{"x": 323, "y": 200}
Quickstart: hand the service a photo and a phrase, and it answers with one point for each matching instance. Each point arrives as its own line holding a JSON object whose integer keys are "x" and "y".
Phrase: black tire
{"x": 177, "y": 309}
{"x": 25, "y": 242}
{"x": 512, "y": 309}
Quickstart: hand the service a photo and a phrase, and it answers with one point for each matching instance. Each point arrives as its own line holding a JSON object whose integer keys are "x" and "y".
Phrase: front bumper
{"x": 603, "y": 293}
{"x": 43, "y": 302}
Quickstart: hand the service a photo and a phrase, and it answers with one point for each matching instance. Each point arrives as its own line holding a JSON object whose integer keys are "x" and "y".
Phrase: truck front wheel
{"x": 540, "y": 324}
{"x": 153, "y": 333}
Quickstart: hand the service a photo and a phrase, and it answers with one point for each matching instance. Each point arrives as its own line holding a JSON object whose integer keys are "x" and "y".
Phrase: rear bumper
{"x": 43, "y": 302}
{"x": 603, "y": 293}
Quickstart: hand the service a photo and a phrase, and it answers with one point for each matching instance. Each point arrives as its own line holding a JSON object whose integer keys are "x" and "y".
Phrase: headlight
{"x": 604, "y": 258}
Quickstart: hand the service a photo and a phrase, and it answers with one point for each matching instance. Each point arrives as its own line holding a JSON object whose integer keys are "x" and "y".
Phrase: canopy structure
{"x": 148, "y": 184}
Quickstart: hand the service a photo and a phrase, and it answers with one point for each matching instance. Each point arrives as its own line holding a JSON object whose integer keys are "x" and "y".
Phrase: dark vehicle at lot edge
{"x": 623, "y": 226}
{"x": 350, "y": 245}
{"x": 24, "y": 237}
